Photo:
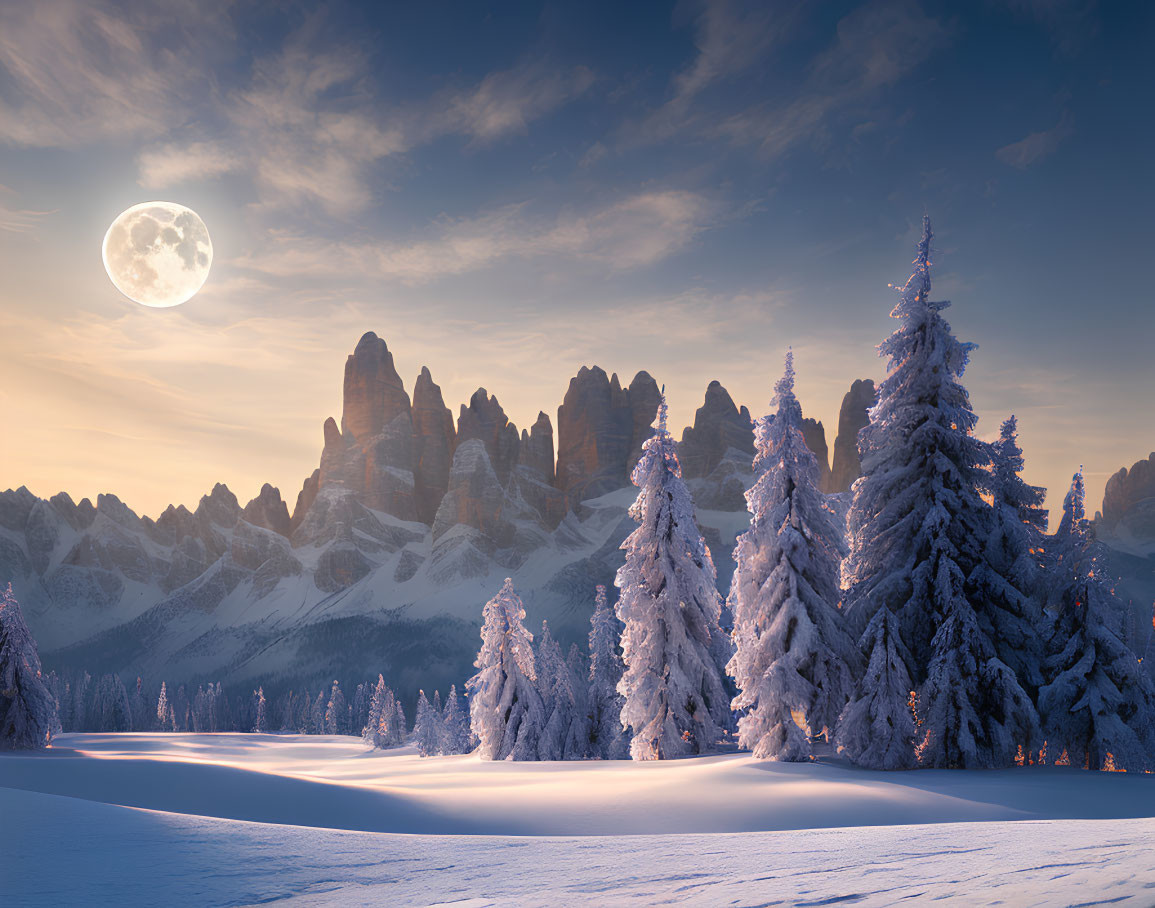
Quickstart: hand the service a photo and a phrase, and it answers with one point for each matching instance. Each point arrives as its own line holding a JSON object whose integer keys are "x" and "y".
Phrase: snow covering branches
{"x": 792, "y": 655}
{"x": 675, "y": 702}
{"x": 27, "y": 706}
{"x": 917, "y": 528}
{"x": 607, "y": 737}
{"x": 506, "y": 711}
{"x": 1099, "y": 704}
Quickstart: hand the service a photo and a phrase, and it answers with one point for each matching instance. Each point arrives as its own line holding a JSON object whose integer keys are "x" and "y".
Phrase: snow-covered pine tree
{"x": 918, "y": 525}
{"x": 260, "y": 720}
{"x": 506, "y": 712}
{"x": 137, "y": 709}
{"x": 398, "y": 730}
{"x": 675, "y": 699}
{"x": 876, "y": 728}
{"x": 371, "y": 733}
{"x": 27, "y": 707}
{"x": 455, "y": 727}
{"x": 562, "y": 737}
{"x": 1010, "y": 578}
{"x": 426, "y": 728}
{"x": 607, "y": 736}
{"x": 578, "y": 745}
{"x": 162, "y": 707}
{"x": 1099, "y": 704}
{"x": 336, "y": 713}
{"x": 793, "y": 659}
{"x": 317, "y": 715}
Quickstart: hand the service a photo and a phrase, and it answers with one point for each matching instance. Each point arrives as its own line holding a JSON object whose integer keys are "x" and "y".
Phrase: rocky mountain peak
{"x": 268, "y": 510}
{"x": 434, "y": 440}
{"x": 719, "y": 425}
{"x": 484, "y": 419}
{"x": 374, "y": 394}
{"x": 1129, "y": 500}
{"x": 537, "y": 447}
{"x": 852, "y": 417}
{"x": 220, "y": 506}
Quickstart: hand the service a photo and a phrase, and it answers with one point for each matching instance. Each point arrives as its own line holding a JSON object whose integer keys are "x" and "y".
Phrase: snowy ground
{"x": 241, "y": 819}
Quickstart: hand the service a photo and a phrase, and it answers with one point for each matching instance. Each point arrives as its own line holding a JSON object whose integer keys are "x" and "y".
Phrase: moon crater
{"x": 158, "y": 253}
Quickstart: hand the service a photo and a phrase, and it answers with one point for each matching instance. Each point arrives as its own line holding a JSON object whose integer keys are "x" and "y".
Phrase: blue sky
{"x": 506, "y": 192}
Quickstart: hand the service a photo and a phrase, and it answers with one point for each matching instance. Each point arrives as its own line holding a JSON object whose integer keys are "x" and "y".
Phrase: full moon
{"x": 158, "y": 253}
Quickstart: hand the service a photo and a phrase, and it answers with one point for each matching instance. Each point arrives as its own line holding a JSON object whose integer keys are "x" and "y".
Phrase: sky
{"x": 505, "y": 192}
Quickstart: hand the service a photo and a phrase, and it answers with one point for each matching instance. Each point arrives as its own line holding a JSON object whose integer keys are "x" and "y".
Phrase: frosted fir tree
{"x": 507, "y": 715}
{"x": 137, "y": 708}
{"x": 562, "y": 737}
{"x": 426, "y": 727}
{"x": 1011, "y": 579}
{"x": 918, "y": 525}
{"x": 336, "y": 711}
{"x": 578, "y": 744}
{"x": 261, "y": 719}
{"x": 675, "y": 699}
{"x": 317, "y": 714}
{"x": 1098, "y": 706}
{"x": 877, "y": 726}
{"x": 162, "y": 708}
{"x": 371, "y": 733}
{"x": 607, "y": 736}
{"x": 27, "y": 708}
{"x": 398, "y": 730}
{"x": 793, "y": 659}
{"x": 455, "y": 726}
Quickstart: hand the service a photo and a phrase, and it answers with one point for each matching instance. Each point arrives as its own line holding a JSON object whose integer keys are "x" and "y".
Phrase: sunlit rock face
{"x": 719, "y": 426}
{"x": 1129, "y": 501}
{"x": 815, "y": 435}
{"x": 852, "y": 417}
{"x": 485, "y": 420}
{"x": 373, "y": 455}
{"x": 601, "y": 428}
{"x": 268, "y": 510}
{"x": 434, "y": 440}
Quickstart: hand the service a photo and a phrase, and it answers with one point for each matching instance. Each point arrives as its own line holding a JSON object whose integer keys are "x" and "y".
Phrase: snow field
{"x": 237, "y": 819}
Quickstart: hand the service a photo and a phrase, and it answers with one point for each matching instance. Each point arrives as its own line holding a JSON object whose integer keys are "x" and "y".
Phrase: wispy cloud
{"x": 876, "y": 46}
{"x": 79, "y": 71}
{"x": 14, "y": 219}
{"x": 636, "y": 231}
{"x": 1038, "y": 145}
{"x": 178, "y": 162}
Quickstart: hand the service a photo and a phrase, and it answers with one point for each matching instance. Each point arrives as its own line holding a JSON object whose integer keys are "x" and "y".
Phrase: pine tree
{"x": 455, "y": 727}
{"x": 1011, "y": 577}
{"x": 675, "y": 700}
{"x": 793, "y": 657}
{"x": 398, "y": 731}
{"x": 137, "y": 709}
{"x": 558, "y": 689}
{"x": 317, "y": 715}
{"x": 261, "y": 720}
{"x": 162, "y": 707}
{"x": 877, "y": 727}
{"x": 371, "y": 733}
{"x": 1099, "y": 704}
{"x": 607, "y": 736}
{"x": 917, "y": 526}
{"x": 27, "y": 707}
{"x": 336, "y": 712}
{"x": 506, "y": 712}
{"x": 426, "y": 728}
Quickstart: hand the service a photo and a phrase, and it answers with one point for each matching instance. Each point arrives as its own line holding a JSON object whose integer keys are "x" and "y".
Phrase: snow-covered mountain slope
{"x": 409, "y": 524}
{"x": 242, "y": 819}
